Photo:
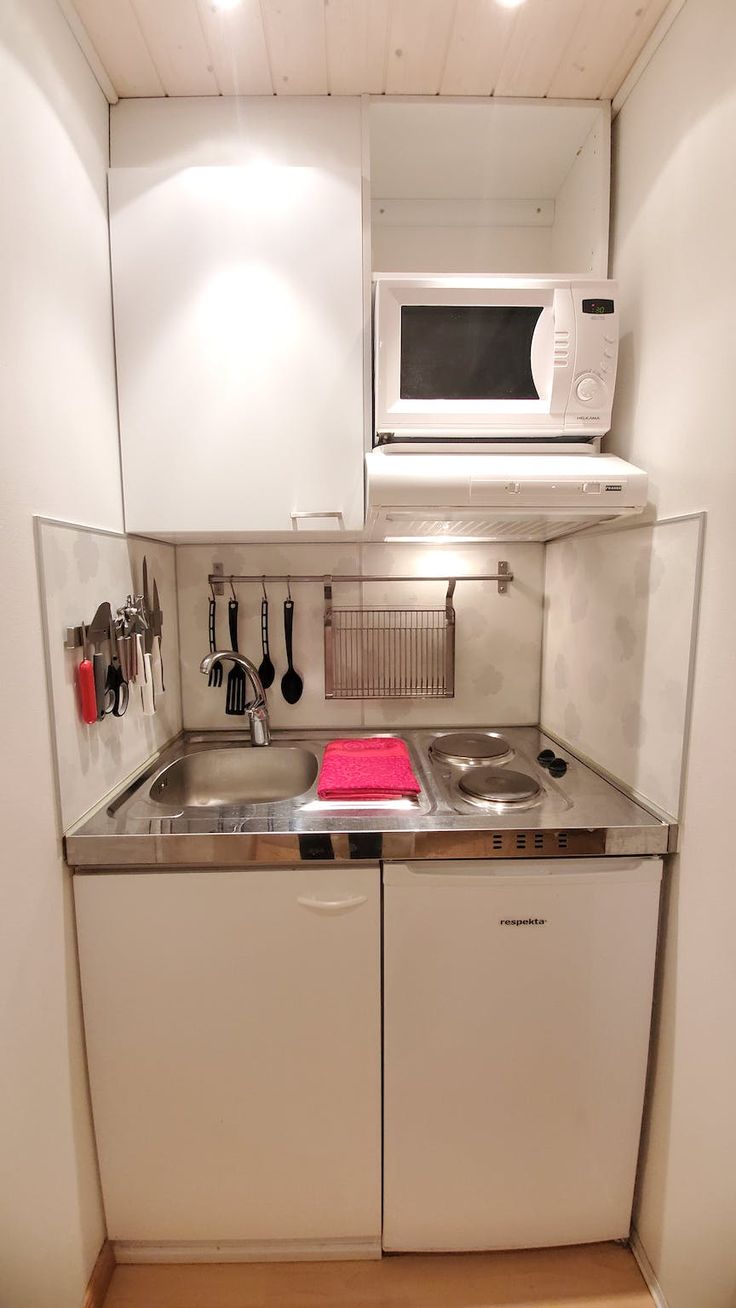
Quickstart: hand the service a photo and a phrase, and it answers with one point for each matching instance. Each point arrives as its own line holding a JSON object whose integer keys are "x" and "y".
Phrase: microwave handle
{"x": 543, "y": 353}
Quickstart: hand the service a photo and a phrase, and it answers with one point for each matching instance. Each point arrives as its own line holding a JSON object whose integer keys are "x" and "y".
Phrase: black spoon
{"x": 267, "y": 671}
{"x": 291, "y": 683}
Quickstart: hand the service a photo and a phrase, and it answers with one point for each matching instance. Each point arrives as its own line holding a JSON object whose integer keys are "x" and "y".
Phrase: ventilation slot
{"x": 539, "y": 840}
{"x": 562, "y": 840}
{"x": 486, "y": 527}
{"x": 521, "y": 840}
{"x": 497, "y": 840}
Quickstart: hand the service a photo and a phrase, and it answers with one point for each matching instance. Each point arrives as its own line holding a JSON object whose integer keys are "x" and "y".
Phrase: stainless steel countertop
{"x": 580, "y": 815}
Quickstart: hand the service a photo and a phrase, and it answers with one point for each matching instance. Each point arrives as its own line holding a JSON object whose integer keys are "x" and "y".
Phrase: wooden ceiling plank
{"x": 295, "y": 37}
{"x": 357, "y": 36}
{"x": 173, "y": 34}
{"x": 237, "y": 44}
{"x": 541, "y": 34}
{"x": 646, "y": 23}
{"x": 478, "y": 40}
{"x": 606, "y": 35}
{"x": 114, "y": 31}
{"x": 418, "y": 43}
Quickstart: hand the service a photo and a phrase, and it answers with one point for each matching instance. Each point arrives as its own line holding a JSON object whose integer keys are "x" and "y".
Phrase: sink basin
{"x": 213, "y": 777}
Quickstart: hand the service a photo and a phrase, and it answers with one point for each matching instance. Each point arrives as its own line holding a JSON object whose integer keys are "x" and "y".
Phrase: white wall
{"x": 59, "y": 457}
{"x": 674, "y": 207}
{"x": 614, "y": 600}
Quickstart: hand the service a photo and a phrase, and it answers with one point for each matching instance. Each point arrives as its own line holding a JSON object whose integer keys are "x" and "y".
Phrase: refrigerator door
{"x": 517, "y": 1013}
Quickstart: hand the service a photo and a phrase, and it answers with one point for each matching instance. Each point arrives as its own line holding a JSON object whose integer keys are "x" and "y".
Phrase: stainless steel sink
{"x": 211, "y": 778}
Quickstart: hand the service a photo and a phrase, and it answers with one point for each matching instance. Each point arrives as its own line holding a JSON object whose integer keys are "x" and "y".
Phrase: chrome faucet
{"x": 257, "y": 710}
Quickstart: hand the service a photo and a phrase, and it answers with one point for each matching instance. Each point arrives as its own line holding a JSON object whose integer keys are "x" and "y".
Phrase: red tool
{"x": 86, "y": 684}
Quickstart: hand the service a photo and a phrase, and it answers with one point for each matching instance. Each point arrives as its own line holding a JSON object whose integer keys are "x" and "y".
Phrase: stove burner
{"x": 464, "y": 748}
{"x": 492, "y": 785}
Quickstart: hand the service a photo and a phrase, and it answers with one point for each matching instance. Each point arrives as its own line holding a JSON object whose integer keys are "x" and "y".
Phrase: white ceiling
{"x": 579, "y": 49}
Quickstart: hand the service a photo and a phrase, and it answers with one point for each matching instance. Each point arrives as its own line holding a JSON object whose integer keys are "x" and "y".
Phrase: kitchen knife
{"x": 157, "y": 663}
{"x": 99, "y": 634}
{"x": 144, "y": 645}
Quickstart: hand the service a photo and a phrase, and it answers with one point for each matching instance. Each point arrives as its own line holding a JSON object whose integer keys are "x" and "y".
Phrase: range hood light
{"x": 438, "y": 540}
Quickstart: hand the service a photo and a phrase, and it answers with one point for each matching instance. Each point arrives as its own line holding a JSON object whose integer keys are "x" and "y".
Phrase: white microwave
{"x": 493, "y": 359}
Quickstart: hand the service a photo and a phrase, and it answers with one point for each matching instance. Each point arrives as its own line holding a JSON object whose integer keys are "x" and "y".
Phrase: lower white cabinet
{"x": 233, "y": 1032}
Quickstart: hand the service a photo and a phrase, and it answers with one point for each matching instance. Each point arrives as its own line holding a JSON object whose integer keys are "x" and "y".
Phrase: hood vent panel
{"x": 398, "y": 527}
{"x": 494, "y": 497}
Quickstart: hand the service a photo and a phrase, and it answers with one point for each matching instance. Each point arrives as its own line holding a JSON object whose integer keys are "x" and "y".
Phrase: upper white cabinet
{"x": 238, "y": 296}
{"x": 489, "y": 186}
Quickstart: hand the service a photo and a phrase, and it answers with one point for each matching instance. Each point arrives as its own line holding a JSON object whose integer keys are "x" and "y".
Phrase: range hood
{"x": 494, "y": 497}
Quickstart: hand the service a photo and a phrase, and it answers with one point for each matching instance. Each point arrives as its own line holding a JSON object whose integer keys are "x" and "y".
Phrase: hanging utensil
{"x": 86, "y": 684}
{"x": 215, "y": 677}
{"x": 117, "y": 691}
{"x": 157, "y": 662}
{"x": 98, "y": 633}
{"x": 235, "y": 691}
{"x": 144, "y": 645}
{"x": 266, "y": 671}
{"x": 292, "y": 684}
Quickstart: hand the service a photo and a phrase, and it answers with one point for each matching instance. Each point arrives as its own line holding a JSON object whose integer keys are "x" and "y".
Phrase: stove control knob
{"x": 558, "y": 767}
{"x": 546, "y": 757}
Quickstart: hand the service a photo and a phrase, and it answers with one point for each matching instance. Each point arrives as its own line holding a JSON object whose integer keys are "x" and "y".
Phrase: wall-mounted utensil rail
{"x": 503, "y": 576}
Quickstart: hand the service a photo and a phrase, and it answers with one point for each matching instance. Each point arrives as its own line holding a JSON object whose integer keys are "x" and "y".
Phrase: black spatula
{"x": 235, "y": 687}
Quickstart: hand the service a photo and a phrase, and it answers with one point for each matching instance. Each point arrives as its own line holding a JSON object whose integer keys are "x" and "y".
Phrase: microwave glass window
{"x": 473, "y": 352}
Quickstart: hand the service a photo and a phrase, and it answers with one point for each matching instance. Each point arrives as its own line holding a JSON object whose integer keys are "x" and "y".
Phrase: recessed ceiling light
{"x": 225, "y": 4}
{"x": 510, "y": 4}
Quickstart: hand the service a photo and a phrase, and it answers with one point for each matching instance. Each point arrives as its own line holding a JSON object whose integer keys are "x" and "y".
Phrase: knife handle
{"x": 157, "y": 666}
{"x": 145, "y": 678}
{"x": 86, "y": 690}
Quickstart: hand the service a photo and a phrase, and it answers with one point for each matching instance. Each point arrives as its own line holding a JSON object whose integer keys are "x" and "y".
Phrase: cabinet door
{"x": 238, "y": 301}
{"x": 233, "y": 1037}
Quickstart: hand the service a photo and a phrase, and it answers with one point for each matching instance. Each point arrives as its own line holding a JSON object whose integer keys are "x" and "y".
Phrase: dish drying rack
{"x": 389, "y": 652}
{"x": 383, "y": 651}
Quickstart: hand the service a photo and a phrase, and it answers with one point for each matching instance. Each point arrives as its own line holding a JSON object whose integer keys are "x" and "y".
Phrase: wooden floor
{"x": 587, "y": 1276}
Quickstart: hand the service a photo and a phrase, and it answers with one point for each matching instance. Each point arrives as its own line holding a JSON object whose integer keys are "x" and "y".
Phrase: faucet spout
{"x": 257, "y": 710}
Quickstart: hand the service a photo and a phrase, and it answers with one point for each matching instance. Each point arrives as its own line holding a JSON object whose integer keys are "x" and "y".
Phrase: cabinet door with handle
{"x": 233, "y": 1036}
{"x": 238, "y": 298}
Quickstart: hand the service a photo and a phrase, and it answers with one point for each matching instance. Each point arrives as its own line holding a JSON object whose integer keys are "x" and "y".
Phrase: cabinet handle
{"x": 331, "y": 905}
{"x": 297, "y": 516}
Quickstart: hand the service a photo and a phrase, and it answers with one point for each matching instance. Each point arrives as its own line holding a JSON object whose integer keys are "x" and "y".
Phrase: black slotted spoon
{"x": 267, "y": 671}
{"x": 215, "y": 677}
{"x": 235, "y": 690}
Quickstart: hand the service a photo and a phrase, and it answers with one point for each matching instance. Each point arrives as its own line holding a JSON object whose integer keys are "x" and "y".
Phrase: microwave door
{"x": 474, "y": 354}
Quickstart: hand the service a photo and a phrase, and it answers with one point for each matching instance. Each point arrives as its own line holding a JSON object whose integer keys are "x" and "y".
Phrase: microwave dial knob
{"x": 589, "y": 389}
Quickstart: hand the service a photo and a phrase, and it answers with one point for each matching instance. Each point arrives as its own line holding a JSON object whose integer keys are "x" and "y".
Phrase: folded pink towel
{"x": 376, "y": 768}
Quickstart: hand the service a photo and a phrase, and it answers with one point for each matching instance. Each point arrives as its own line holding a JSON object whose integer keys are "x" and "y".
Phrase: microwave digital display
{"x": 467, "y": 352}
